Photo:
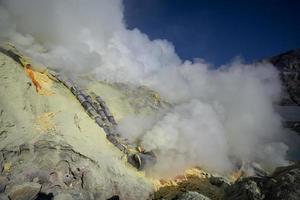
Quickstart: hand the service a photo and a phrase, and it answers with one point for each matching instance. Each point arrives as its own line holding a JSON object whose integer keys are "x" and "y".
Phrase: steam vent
{"x": 94, "y": 107}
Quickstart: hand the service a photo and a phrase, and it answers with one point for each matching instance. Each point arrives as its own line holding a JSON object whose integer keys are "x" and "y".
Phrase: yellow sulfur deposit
{"x": 45, "y": 122}
{"x": 7, "y": 167}
{"x": 40, "y": 80}
{"x": 45, "y": 83}
{"x": 193, "y": 179}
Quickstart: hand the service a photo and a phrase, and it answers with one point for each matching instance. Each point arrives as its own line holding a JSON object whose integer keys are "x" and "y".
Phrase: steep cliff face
{"x": 51, "y": 147}
{"x": 288, "y": 64}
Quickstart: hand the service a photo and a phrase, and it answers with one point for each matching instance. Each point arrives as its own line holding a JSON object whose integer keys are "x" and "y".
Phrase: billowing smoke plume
{"x": 217, "y": 115}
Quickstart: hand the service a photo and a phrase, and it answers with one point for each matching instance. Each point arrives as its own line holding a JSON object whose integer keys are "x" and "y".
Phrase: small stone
{"x": 25, "y": 191}
{"x": 68, "y": 178}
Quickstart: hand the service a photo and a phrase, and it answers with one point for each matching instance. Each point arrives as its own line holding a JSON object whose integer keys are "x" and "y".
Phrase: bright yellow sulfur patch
{"x": 193, "y": 179}
{"x": 45, "y": 84}
{"x": 7, "y": 167}
{"x": 235, "y": 175}
{"x": 45, "y": 122}
{"x": 189, "y": 173}
{"x": 40, "y": 80}
{"x": 156, "y": 98}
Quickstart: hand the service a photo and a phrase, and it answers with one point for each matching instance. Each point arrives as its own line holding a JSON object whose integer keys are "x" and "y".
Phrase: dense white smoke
{"x": 217, "y": 114}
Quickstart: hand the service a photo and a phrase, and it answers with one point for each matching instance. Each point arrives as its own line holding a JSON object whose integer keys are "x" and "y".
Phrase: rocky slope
{"x": 51, "y": 148}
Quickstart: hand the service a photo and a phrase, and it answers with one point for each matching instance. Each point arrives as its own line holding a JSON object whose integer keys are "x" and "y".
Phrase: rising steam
{"x": 217, "y": 115}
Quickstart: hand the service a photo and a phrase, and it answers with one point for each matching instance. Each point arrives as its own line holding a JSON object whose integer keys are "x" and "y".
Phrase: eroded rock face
{"x": 289, "y": 65}
{"x": 284, "y": 183}
{"x": 49, "y": 168}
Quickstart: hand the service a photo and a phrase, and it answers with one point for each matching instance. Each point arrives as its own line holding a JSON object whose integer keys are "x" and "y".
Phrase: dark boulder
{"x": 284, "y": 183}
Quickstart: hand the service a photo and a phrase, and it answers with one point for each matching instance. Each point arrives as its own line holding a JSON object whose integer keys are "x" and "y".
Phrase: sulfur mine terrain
{"x": 51, "y": 148}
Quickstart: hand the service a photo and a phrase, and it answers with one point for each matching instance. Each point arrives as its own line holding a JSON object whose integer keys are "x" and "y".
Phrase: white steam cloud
{"x": 218, "y": 114}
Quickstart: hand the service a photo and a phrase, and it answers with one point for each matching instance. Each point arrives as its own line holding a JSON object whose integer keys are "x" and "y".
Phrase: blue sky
{"x": 219, "y": 30}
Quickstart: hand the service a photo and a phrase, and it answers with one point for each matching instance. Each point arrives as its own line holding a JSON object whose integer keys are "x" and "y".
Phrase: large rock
{"x": 246, "y": 189}
{"x": 219, "y": 181}
{"x": 284, "y": 183}
{"x": 25, "y": 191}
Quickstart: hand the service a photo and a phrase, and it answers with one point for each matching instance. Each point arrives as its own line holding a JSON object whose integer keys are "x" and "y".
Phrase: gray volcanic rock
{"x": 289, "y": 66}
{"x": 193, "y": 196}
{"x": 245, "y": 189}
{"x": 284, "y": 183}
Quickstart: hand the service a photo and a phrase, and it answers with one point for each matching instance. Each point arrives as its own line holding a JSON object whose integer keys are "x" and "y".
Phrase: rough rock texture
{"x": 48, "y": 139}
{"x": 24, "y": 191}
{"x": 283, "y": 184}
{"x": 288, "y": 65}
{"x": 194, "y": 181}
{"x": 193, "y": 196}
